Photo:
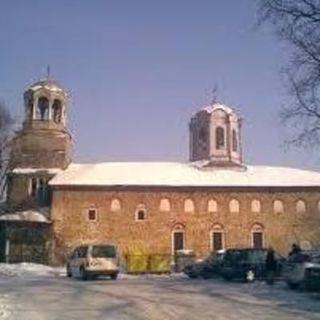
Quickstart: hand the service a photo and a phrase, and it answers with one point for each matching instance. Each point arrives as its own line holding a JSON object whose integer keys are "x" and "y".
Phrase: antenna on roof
{"x": 214, "y": 92}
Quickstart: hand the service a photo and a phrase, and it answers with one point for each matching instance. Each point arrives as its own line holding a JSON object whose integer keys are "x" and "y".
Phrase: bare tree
{"x": 6, "y": 125}
{"x": 298, "y": 23}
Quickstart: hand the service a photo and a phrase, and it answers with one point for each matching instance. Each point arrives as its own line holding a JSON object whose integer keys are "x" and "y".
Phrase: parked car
{"x": 208, "y": 268}
{"x": 247, "y": 264}
{"x": 302, "y": 270}
{"x": 89, "y": 261}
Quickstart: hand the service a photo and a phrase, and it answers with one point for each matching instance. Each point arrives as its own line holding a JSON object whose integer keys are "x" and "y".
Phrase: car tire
{"x": 114, "y": 276}
{"x": 250, "y": 276}
{"x": 293, "y": 285}
{"x": 83, "y": 274}
{"x": 227, "y": 277}
{"x": 68, "y": 271}
{"x": 206, "y": 275}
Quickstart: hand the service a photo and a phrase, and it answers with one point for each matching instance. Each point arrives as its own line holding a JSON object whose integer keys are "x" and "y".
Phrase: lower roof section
{"x": 40, "y": 215}
{"x": 175, "y": 174}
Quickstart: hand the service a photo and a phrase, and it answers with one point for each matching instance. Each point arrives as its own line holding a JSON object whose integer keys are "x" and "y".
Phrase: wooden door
{"x": 257, "y": 240}
{"x": 178, "y": 241}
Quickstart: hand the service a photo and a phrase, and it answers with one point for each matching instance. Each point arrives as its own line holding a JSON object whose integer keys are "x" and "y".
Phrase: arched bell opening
{"x": 42, "y": 111}
{"x": 57, "y": 111}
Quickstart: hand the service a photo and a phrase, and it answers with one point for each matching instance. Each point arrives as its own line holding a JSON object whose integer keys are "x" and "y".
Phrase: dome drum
{"x": 215, "y": 136}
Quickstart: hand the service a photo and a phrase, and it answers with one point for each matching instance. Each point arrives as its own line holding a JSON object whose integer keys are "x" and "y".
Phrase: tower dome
{"x": 215, "y": 136}
{"x": 48, "y": 84}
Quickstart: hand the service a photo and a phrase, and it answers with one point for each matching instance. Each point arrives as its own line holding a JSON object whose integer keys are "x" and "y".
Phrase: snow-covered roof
{"x": 36, "y": 170}
{"x": 31, "y": 215}
{"x": 182, "y": 175}
{"x": 48, "y": 84}
{"x": 218, "y": 106}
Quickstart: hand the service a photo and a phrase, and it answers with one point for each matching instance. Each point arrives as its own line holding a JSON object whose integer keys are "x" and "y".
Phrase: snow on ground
{"x": 37, "y": 292}
{"x": 28, "y": 270}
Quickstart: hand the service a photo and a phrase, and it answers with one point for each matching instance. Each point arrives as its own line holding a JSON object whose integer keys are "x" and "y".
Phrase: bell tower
{"x": 215, "y": 137}
{"x": 43, "y": 145}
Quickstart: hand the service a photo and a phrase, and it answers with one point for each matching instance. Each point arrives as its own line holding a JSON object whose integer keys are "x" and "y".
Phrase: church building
{"x": 211, "y": 202}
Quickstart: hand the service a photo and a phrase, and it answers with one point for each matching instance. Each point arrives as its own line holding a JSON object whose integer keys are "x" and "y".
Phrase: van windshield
{"x": 103, "y": 252}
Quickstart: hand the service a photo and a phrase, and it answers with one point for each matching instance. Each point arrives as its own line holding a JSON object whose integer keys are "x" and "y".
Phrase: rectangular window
{"x": 92, "y": 214}
{"x": 217, "y": 241}
{"x": 257, "y": 238}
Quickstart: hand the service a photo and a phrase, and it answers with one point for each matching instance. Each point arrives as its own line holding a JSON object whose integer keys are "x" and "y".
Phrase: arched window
{"x": 115, "y": 205}
{"x": 301, "y": 206}
{"x": 256, "y": 206}
{"x": 234, "y": 141}
{"x": 165, "y": 205}
{"x": 217, "y": 238}
{"x": 234, "y": 206}
{"x": 141, "y": 213}
{"x": 278, "y": 206}
{"x": 188, "y": 205}
{"x": 57, "y": 111}
{"x": 220, "y": 138}
{"x": 212, "y": 205}
{"x": 257, "y": 236}
{"x": 43, "y": 109}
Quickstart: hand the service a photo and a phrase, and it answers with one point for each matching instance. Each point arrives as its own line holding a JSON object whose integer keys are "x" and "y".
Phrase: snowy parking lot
{"x": 33, "y": 292}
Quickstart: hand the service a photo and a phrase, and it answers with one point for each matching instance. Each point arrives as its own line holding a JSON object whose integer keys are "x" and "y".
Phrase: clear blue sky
{"x": 137, "y": 70}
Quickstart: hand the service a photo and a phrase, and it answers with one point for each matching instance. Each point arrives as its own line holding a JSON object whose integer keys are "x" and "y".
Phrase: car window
{"x": 235, "y": 256}
{"x": 299, "y": 258}
{"x": 104, "y": 252}
{"x": 315, "y": 258}
{"x": 74, "y": 254}
{"x": 82, "y": 252}
{"x": 257, "y": 256}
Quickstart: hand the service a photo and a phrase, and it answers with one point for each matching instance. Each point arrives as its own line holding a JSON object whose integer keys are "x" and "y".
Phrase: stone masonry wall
{"x": 154, "y": 235}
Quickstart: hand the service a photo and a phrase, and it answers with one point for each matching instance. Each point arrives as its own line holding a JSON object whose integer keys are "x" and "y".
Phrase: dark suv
{"x": 208, "y": 268}
{"x": 247, "y": 264}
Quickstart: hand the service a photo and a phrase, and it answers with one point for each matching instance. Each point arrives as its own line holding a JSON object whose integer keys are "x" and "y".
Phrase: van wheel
{"x": 114, "y": 276}
{"x": 69, "y": 272}
{"x": 83, "y": 274}
{"x": 250, "y": 276}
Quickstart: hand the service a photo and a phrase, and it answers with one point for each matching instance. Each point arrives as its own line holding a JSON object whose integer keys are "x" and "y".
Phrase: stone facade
{"x": 154, "y": 234}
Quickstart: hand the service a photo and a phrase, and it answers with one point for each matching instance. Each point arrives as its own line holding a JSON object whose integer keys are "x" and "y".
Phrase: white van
{"x": 90, "y": 261}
